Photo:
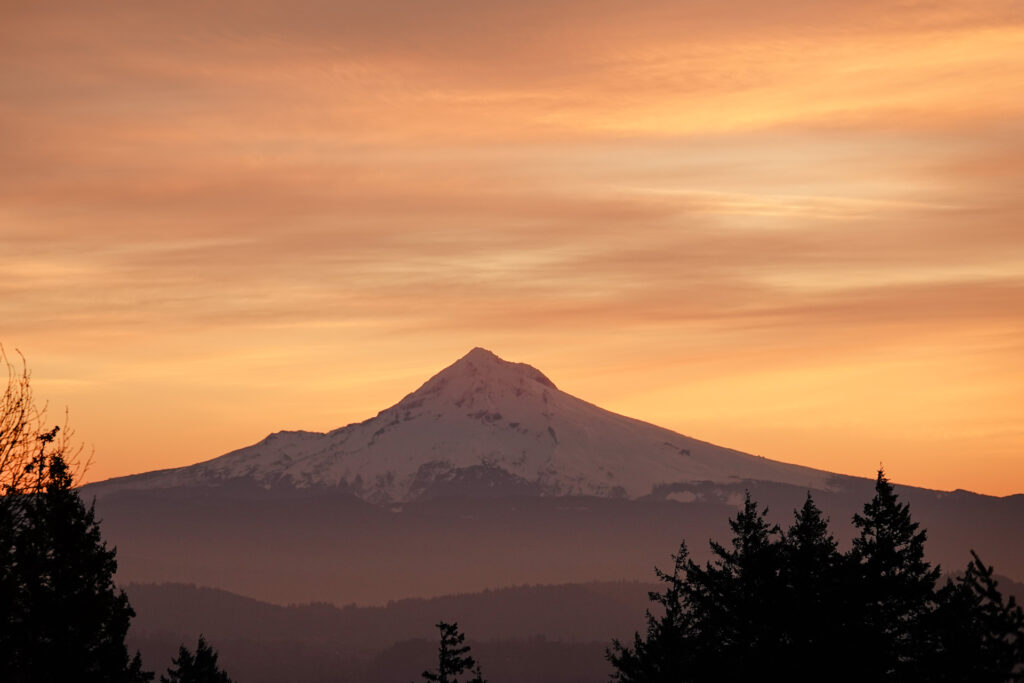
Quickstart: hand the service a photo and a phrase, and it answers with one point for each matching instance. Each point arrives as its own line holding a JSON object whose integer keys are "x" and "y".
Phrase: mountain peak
{"x": 479, "y": 353}
{"x": 488, "y": 367}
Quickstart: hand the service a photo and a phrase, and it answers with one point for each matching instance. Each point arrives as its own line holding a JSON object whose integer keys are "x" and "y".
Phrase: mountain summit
{"x": 482, "y": 426}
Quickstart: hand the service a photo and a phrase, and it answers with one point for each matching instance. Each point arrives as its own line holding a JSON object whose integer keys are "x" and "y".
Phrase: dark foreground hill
{"x": 529, "y": 633}
{"x": 539, "y": 634}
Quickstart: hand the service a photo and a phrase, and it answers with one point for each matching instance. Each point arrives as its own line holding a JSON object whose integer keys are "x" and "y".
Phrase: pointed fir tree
{"x": 65, "y": 621}
{"x": 61, "y": 617}
{"x": 735, "y": 600}
{"x": 661, "y": 657}
{"x": 814, "y": 603}
{"x": 895, "y": 587}
{"x": 200, "y": 667}
{"x": 1000, "y": 623}
{"x": 979, "y": 634}
{"x": 810, "y": 550}
{"x": 453, "y": 658}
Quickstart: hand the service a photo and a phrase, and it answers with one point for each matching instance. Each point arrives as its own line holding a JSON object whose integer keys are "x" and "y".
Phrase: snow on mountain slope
{"x": 484, "y": 422}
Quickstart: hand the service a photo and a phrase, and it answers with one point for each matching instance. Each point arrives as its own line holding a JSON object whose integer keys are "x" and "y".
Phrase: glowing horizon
{"x": 791, "y": 230}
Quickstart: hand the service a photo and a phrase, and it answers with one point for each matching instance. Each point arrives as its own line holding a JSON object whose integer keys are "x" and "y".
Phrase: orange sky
{"x": 792, "y": 228}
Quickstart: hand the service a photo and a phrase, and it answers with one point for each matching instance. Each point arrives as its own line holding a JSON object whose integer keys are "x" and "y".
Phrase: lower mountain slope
{"x": 328, "y": 547}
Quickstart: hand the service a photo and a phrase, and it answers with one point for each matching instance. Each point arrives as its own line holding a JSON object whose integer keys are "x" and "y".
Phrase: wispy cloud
{"x": 275, "y": 195}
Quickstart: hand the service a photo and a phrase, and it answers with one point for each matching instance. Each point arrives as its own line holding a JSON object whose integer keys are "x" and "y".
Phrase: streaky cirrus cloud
{"x": 792, "y": 229}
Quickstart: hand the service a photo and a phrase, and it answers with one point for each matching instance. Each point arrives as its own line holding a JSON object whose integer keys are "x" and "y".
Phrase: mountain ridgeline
{"x": 486, "y": 476}
{"x": 482, "y": 426}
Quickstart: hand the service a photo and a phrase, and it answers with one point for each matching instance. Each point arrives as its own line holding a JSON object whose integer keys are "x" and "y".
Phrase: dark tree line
{"x": 787, "y": 605}
{"x": 61, "y": 616}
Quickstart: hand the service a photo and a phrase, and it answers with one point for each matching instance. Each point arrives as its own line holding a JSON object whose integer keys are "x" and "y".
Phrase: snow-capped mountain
{"x": 482, "y": 423}
{"x": 485, "y": 476}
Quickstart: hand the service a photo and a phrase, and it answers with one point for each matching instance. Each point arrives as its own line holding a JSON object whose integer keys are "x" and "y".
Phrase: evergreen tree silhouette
{"x": 719, "y": 622}
{"x": 815, "y": 610}
{"x": 61, "y": 618}
{"x": 200, "y": 667}
{"x": 895, "y": 588}
{"x": 664, "y": 655}
{"x": 12, "y": 599}
{"x": 64, "y": 620}
{"x": 979, "y": 635}
{"x": 735, "y": 600}
{"x": 453, "y": 658}
{"x": 790, "y": 607}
